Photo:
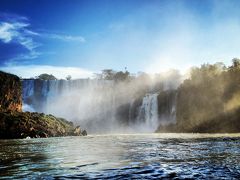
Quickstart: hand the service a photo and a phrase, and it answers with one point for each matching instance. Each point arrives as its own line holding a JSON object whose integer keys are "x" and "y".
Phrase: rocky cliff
{"x": 10, "y": 92}
{"x": 17, "y": 124}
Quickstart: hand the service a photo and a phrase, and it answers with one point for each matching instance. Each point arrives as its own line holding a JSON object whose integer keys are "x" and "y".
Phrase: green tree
{"x": 69, "y": 77}
{"x": 108, "y": 74}
{"x": 236, "y": 63}
{"x": 209, "y": 101}
{"x": 121, "y": 76}
{"x": 46, "y": 77}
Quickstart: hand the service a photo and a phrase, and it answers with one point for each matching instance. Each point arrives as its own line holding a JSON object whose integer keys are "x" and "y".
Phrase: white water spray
{"x": 148, "y": 113}
{"x": 100, "y": 106}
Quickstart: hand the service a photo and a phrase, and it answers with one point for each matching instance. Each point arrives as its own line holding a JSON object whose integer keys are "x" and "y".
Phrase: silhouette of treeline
{"x": 209, "y": 101}
{"x": 109, "y": 74}
{"x": 47, "y": 77}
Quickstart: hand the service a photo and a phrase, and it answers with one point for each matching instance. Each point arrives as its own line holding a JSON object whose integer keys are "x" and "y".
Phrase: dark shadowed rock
{"x": 84, "y": 133}
{"x": 78, "y": 132}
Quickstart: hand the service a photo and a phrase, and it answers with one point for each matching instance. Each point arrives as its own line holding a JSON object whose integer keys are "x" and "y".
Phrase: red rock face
{"x": 10, "y": 92}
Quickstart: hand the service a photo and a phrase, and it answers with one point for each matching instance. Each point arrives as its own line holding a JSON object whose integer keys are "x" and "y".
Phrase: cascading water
{"x": 99, "y": 106}
{"x": 148, "y": 112}
{"x": 89, "y": 103}
{"x": 28, "y": 91}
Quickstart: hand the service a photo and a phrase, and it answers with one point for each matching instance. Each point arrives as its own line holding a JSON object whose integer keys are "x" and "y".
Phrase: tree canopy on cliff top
{"x": 46, "y": 77}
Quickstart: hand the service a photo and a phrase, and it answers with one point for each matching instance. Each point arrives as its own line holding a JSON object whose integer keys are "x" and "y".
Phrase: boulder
{"x": 77, "y": 131}
{"x": 84, "y": 133}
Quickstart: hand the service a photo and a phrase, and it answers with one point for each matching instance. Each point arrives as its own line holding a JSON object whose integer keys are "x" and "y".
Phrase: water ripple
{"x": 148, "y": 156}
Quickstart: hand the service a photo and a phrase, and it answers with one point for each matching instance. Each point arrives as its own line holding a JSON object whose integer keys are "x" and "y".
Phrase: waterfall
{"x": 100, "y": 105}
{"x": 148, "y": 112}
{"x": 90, "y": 103}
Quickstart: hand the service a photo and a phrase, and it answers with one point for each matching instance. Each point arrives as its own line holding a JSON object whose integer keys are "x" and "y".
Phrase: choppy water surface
{"x": 145, "y": 156}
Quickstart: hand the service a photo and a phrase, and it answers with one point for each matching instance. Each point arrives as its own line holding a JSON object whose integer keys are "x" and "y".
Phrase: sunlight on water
{"x": 174, "y": 135}
{"x": 123, "y": 156}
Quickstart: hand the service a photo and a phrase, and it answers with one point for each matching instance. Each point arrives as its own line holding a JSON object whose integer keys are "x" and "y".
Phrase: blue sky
{"x": 38, "y": 36}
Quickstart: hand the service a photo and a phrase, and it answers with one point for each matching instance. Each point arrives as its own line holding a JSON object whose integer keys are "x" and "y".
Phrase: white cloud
{"x": 17, "y": 32}
{"x": 24, "y": 57}
{"x": 17, "y": 29}
{"x": 5, "y": 35}
{"x": 68, "y": 38}
{"x": 58, "y": 71}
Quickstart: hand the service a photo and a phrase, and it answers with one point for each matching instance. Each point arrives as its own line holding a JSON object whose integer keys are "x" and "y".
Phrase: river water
{"x": 129, "y": 156}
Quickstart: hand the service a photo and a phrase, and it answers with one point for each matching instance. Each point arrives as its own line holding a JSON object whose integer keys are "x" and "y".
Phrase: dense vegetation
{"x": 209, "y": 101}
{"x": 109, "y": 74}
{"x": 46, "y": 77}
